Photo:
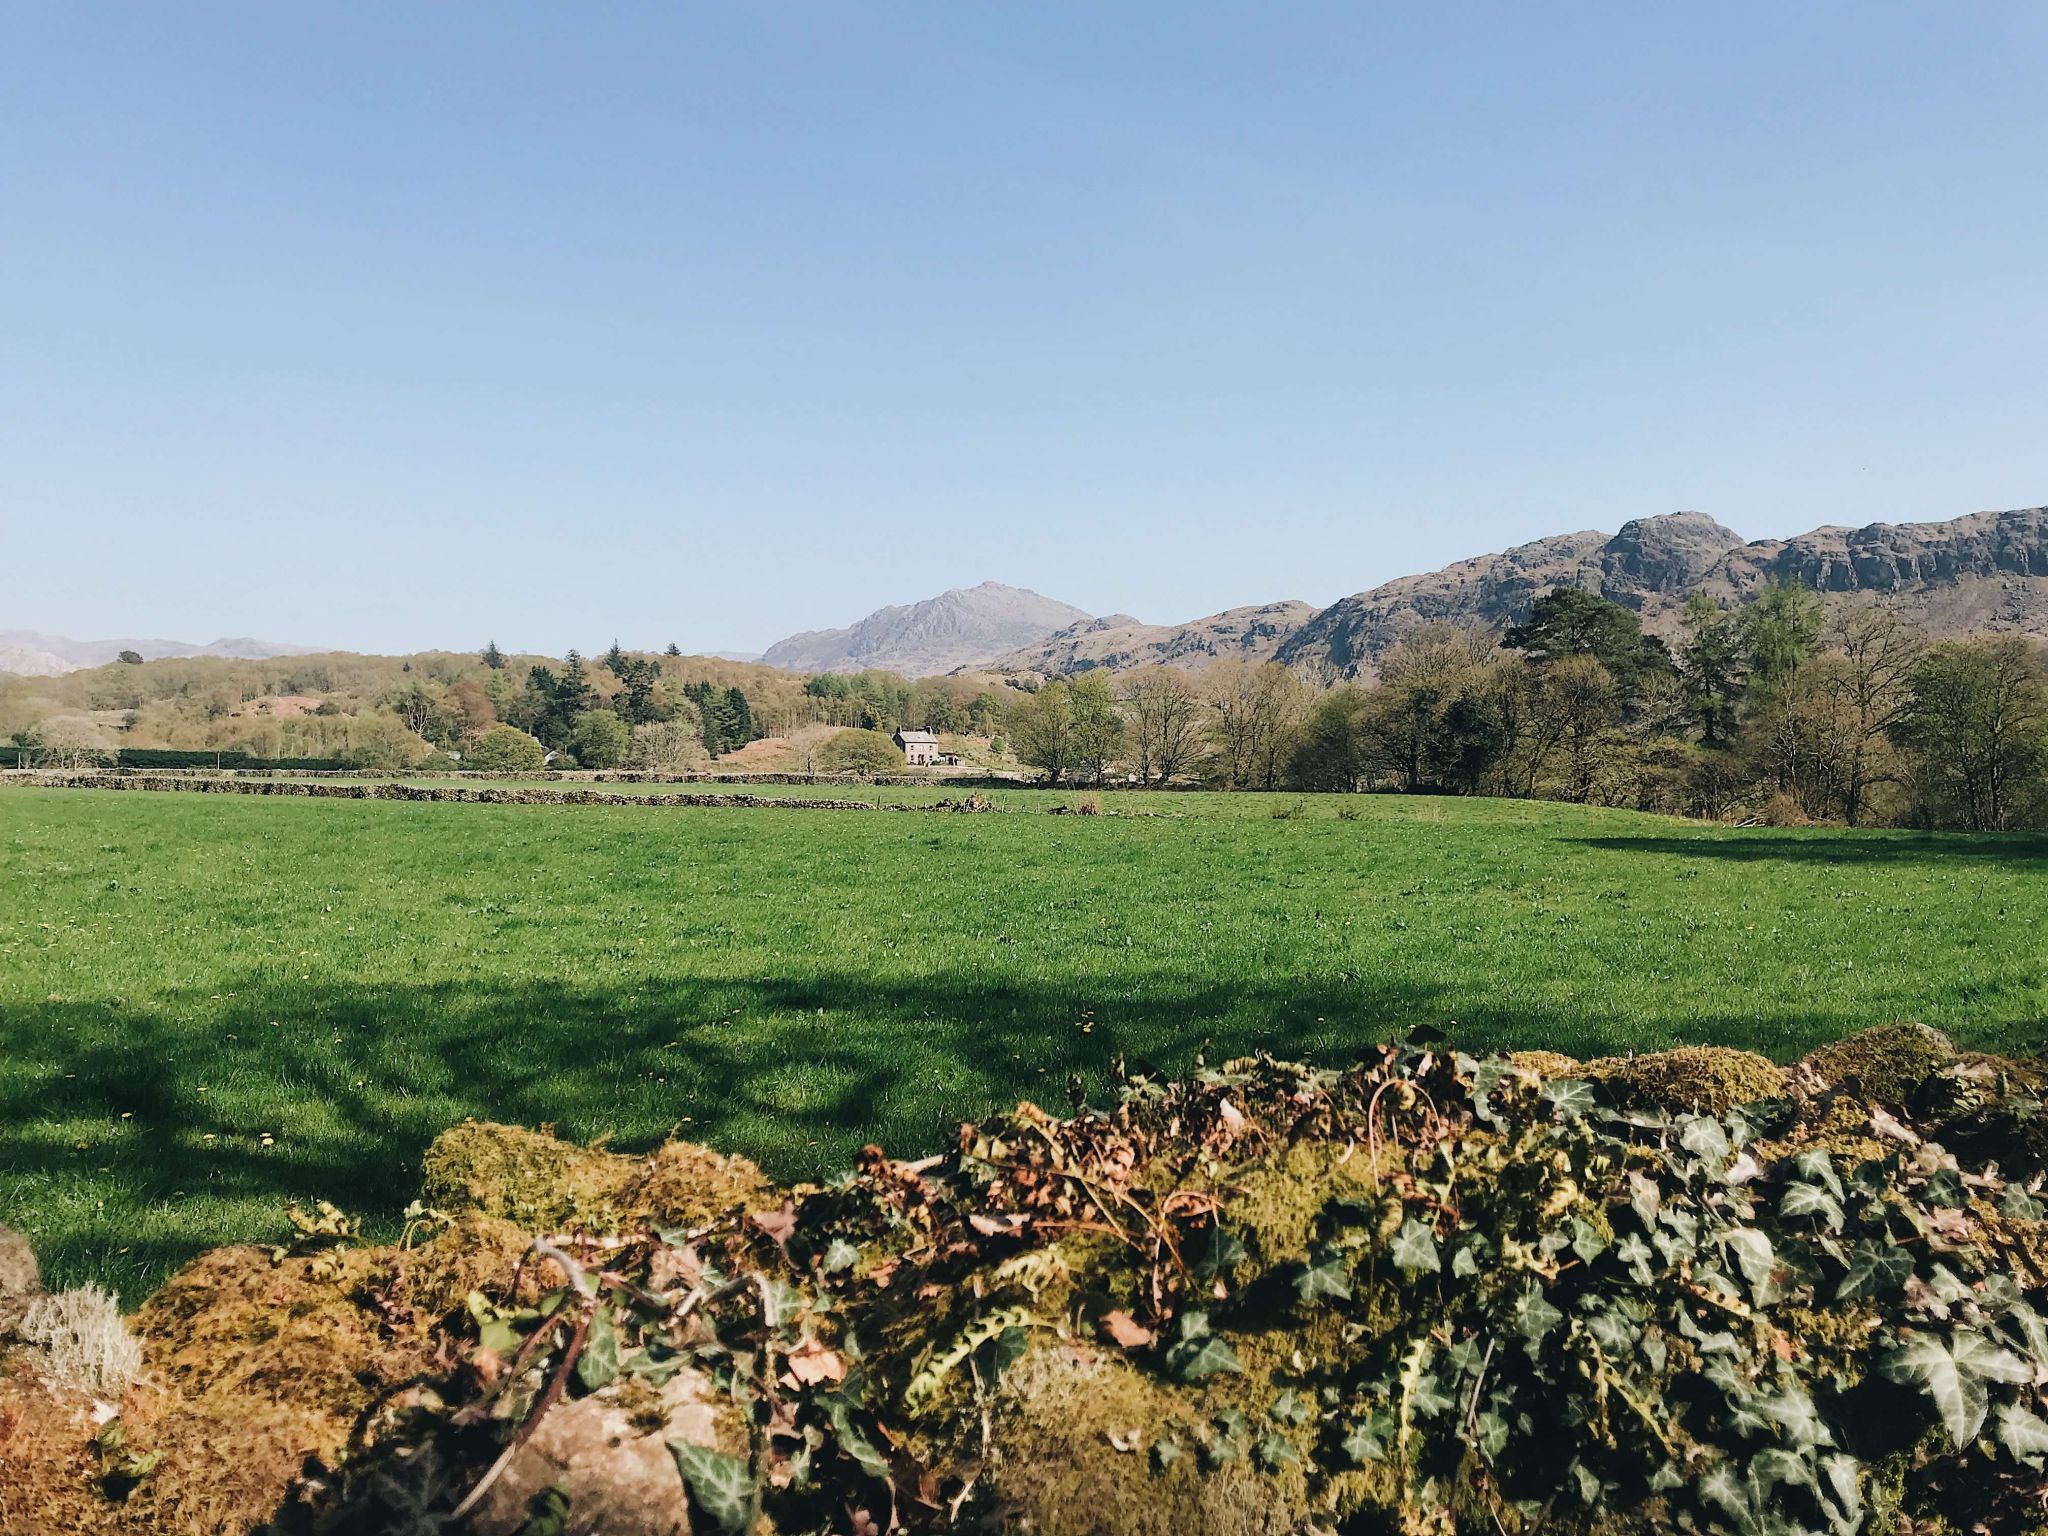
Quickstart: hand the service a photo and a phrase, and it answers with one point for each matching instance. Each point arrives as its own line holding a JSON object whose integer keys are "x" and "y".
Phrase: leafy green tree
{"x": 1331, "y": 751}
{"x": 1472, "y": 738}
{"x": 615, "y": 660}
{"x": 1978, "y": 725}
{"x": 600, "y": 739}
{"x": 1570, "y": 621}
{"x": 858, "y": 751}
{"x": 505, "y": 749}
{"x": 1098, "y": 726}
{"x": 1779, "y": 629}
{"x": 493, "y": 657}
{"x": 673, "y": 649}
{"x": 130, "y": 658}
{"x": 1042, "y": 728}
{"x": 1710, "y": 668}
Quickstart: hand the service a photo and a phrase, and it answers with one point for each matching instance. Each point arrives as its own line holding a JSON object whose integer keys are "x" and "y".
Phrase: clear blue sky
{"x": 387, "y": 326}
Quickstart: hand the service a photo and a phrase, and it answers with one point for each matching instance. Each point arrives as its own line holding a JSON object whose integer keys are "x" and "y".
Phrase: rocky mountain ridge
{"x": 1988, "y": 570}
{"x": 1985, "y": 571}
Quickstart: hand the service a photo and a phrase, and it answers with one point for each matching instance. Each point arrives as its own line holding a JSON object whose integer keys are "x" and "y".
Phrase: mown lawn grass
{"x": 209, "y": 1005}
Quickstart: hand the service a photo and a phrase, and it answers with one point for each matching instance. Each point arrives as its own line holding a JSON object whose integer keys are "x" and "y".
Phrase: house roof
{"x": 909, "y": 736}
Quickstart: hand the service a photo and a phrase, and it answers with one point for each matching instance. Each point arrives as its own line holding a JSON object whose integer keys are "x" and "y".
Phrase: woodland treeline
{"x": 1785, "y": 709}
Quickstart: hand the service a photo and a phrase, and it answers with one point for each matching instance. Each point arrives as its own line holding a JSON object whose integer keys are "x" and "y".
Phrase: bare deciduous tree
{"x": 1166, "y": 711}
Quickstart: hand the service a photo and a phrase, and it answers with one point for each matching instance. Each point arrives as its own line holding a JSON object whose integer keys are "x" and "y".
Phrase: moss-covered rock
{"x": 540, "y": 1182}
{"x": 1074, "y": 1433}
{"x": 1697, "y": 1079}
{"x": 1548, "y": 1064}
{"x": 1886, "y": 1063}
{"x": 686, "y": 1185}
{"x": 523, "y": 1176}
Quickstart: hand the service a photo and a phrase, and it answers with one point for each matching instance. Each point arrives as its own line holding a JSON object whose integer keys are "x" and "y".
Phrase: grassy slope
{"x": 347, "y": 978}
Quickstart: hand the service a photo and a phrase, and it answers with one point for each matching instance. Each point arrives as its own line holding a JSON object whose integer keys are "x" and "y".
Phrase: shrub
{"x": 859, "y": 752}
{"x": 506, "y": 750}
{"x": 666, "y": 746}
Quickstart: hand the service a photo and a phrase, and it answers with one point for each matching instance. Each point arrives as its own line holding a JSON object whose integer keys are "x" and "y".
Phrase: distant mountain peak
{"x": 33, "y": 654}
{"x": 961, "y": 627}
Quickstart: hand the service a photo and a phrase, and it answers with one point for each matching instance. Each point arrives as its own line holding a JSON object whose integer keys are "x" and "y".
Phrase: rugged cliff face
{"x": 1985, "y": 571}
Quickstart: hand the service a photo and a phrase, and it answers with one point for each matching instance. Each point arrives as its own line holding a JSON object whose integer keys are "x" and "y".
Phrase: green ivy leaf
{"x": 1753, "y": 1254}
{"x": 1816, "y": 1167}
{"x": 1465, "y": 1260}
{"x": 1588, "y": 1241}
{"x": 1427, "y": 1398}
{"x": 1636, "y": 1254}
{"x": 1813, "y": 1201}
{"x": 840, "y": 1256}
{"x": 2023, "y": 1434}
{"x": 1534, "y": 1315}
{"x": 1490, "y": 1435}
{"x": 598, "y": 1365}
{"x": 1874, "y": 1270}
{"x": 1704, "y": 1137}
{"x": 2019, "y": 1205}
{"x": 1363, "y": 1444}
{"x": 1589, "y": 1483}
{"x": 1987, "y": 1362}
{"x": 1840, "y": 1470}
{"x": 1323, "y": 1278}
{"x": 549, "y": 1514}
{"x": 1798, "y": 1421}
{"x": 1615, "y": 1334}
{"x": 720, "y": 1486}
{"x": 1276, "y": 1451}
{"x": 1959, "y": 1397}
{"x": 1217, "y": 1251}
{"x": 1414, "y": 1249}
{"x": 1004, "y": 1351}
{"x": 1198, "y": 1353}
{"x": 852, "y": 1443}
{"x": 1570, "y": 1097}
{"x": 1288, "y": 1408}
{"x": 1945, "y": 1187}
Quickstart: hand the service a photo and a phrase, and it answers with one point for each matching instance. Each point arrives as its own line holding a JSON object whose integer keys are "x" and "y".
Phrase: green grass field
{"x": 209, "y": 1004}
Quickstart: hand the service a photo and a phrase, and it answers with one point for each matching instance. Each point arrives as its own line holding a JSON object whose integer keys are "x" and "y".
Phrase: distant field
{"x": 182, "y": 977}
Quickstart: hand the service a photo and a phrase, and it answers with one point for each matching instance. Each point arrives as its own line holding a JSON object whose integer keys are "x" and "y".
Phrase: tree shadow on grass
{"x": 161, "y": 1112}
{"x": 2023, "y": 850}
